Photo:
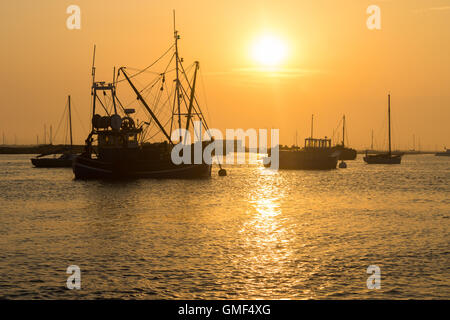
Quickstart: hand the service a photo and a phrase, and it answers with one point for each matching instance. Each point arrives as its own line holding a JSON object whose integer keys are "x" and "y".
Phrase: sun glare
{"x": 269, "y": 51}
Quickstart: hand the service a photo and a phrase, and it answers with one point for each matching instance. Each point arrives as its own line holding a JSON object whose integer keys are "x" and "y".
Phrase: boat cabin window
{"x": 317, "y": 143}
{"x": 132, "y": 138}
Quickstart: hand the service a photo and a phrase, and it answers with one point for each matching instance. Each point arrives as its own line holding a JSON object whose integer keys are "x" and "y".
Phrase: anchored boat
{"x": 67, "y": 155}
{"x": 122, "y": 150}
{"x": 385, "y": 158}
{"x": 317, "y": 154}
{"x": 443, "y": 154}
{"x": 346, "y": 152}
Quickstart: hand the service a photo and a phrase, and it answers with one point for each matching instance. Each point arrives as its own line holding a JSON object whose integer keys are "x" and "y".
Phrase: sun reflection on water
{"x": 266, "y": 240}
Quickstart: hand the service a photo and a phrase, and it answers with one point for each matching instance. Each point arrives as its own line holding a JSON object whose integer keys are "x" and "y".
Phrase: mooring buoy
{"x": 342, "y": 165}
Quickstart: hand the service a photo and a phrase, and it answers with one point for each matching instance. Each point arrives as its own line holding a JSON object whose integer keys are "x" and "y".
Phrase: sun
{"x": 269, "y": 50}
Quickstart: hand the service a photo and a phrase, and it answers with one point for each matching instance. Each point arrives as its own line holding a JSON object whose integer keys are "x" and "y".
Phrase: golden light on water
{"x": 269, "y": 50}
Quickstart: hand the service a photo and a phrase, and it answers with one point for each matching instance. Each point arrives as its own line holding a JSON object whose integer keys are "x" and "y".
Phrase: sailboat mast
{"x": 177, "y": 85}
{"x": 371, "y": 145}
{"x": 389, "y": 122}
{"x": 343, "y": 131}
{"x": 312, "y": 125}
{"x": 70, "y": 124}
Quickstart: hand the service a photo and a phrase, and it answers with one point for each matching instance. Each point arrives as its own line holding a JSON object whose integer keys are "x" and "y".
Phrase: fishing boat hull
{"x": 87, "y": 168}
{"x": 346, "y": 153}
{"x": 383, "y": 159}
{"x": 307, "y": 160}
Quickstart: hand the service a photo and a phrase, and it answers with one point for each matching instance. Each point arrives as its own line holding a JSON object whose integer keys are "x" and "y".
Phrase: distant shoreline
{"x": 38, "y": 149}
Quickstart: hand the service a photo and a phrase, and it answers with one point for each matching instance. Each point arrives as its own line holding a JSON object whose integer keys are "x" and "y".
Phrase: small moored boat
{"x": 65, "y": 160}
{"x": 443, "y": 154}
{"x": 346, "y": 152}
{"x": 385, "y": 158}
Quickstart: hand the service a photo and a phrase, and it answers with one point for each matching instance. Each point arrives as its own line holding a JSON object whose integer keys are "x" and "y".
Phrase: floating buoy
{"x": 222, "y": 173}
{"x": 342, "y": 165}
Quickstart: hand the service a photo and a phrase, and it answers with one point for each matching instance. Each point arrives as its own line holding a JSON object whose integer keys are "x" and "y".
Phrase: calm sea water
{"x": 254, "y": 234}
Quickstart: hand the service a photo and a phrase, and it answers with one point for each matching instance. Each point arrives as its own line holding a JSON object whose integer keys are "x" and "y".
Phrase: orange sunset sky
{"x": 331, "y": 63}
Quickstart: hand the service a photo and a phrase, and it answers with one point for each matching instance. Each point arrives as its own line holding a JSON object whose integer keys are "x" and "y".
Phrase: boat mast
{"x": 70, "y": 124}
{"x": 93, "y": 92}
{"x": 177, "y": 83}
{"x": 389, "y": 122}
{"x": 93, "y": 66}
{"x": 191, "y": 100}
{"x": 312, "y": 125}
{"x": 371, "y": 145}
{"x": 343, "y": 130}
